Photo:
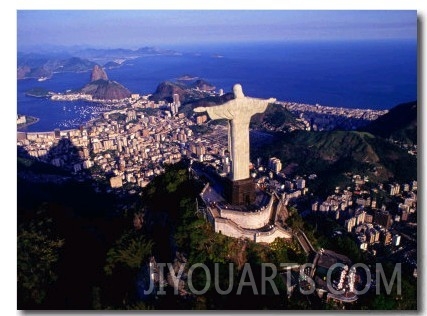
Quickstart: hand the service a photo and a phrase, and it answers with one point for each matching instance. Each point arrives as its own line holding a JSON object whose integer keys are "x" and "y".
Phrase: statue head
{"x": 238, "y": 91}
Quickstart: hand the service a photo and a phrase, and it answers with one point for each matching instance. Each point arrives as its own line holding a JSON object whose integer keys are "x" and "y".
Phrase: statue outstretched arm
{"x": 215, "y": 112}
{"x": 238, "y": 107}
{"x": 258, "y": 105}
{"x": 199, "y": 109}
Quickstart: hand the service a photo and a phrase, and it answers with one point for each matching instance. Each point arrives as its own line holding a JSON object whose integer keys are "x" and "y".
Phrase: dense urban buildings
{"x": 130, "y": 144}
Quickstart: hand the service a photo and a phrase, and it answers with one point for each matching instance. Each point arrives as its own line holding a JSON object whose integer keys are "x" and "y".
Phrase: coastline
{"x": 293, "y": 107}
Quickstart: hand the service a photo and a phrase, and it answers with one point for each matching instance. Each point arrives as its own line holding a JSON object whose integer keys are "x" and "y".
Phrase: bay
{"x": 354, "y": 74}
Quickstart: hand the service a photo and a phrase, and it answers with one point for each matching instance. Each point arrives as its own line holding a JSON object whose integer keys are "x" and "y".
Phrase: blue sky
{"x": 136, "y": 28}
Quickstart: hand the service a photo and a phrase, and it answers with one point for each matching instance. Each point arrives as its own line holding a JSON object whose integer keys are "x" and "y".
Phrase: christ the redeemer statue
{"x": 238, "y": 112}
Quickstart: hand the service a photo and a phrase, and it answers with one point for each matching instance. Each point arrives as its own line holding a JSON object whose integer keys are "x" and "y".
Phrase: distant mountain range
{"x": 39, "y": 65}
{"x": 117, "y": 53}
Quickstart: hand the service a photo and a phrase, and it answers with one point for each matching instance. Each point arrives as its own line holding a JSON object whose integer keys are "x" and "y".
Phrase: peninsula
{"x": 23, "y": 121}
{"x": 100, "y": 88}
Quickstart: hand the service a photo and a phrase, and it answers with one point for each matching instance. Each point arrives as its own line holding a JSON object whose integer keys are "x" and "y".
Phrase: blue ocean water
{"x": 355, "y": 74}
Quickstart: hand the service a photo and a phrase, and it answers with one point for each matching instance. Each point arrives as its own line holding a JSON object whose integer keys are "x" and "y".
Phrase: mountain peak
{"x": 103, "y": 89}
{"x": 98, "y": 73}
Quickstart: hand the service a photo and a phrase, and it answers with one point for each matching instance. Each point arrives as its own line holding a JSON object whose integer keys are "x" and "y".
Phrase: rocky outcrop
{"x": 187, "y": 92}
{"x": 166, "y": 90}
{"x": 106, "y": 90}
{"x": 101, "y": 88}
{"x": 98, "y": 73}
{"x": 203, "y": 85}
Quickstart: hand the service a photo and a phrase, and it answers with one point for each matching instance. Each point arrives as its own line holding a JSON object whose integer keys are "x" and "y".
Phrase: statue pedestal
{"x": 239, "y": 192}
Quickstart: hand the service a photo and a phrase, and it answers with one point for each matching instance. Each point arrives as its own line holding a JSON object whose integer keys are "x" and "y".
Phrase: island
{"x": 38, "y": 92}
{"x": 188, "y": 78}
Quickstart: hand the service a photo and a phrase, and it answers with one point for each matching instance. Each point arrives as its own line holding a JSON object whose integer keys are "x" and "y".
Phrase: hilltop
{"x": 276, "y": 118}
{"x": 399, "y": 124}
{"x": 188, "y": 91}
{"x": 102, "y": 88}
{"x": 333, "y": 154}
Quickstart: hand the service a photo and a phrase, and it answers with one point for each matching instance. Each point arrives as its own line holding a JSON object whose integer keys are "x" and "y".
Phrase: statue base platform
{"x": 240, "y": 192}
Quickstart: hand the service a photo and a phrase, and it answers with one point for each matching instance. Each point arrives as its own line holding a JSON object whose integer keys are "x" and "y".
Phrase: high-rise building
{"x": 145, "y": 132}
{"x": 200, "y": 150}
{"x": 87, "y": 164}
{"x": 386, "y": 237}
{"x": 86, "y": 153}
{"x": 300, "y": 183}
{"x": 130, "y": 115}
{"x": 176, "y": 99}
{"x": 394, "y": 189}
{"x": 368, "y": 218}
{"x": 383, "y": 218}
{"x": 315, "y": 206}
{"x": 360, "y": 217}
{"x": 201, "y": 119}
{"x": 372, "y": 236}
{"x": 174, "y": 108}
{"x": 107, "y": 144}
{"x": 396, "y": 240}
{"x": 122, "y": 164}
{"x": 116, "y": 182}
{"x": 350, "y": 223}
{"x": 57, "y": 132}
{"x": 182, "y": 137}
{"x": 96, "y": 146}
{"x": 21, "y": 119}
{"x": 226, "y": 164}
{"x": 275, "y": 165}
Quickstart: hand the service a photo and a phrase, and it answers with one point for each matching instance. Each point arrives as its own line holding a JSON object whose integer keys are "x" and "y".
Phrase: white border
{"x": 8, "y": 104}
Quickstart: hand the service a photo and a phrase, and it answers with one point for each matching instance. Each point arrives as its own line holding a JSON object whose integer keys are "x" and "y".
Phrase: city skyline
{"x": 136, "y": 28}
